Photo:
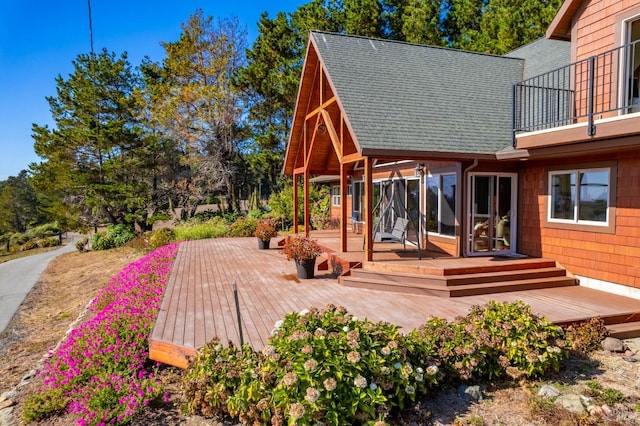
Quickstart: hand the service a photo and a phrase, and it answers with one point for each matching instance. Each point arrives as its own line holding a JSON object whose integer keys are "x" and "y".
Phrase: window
{"x": 335, "y": 195}
{"x": 357, "y": 195}
{"x": 441, "y": 204}
{"x": 580, "y": 196}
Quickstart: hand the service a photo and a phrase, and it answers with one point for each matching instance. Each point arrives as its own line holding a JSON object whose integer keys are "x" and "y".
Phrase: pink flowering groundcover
{"x": 101, "y": 372}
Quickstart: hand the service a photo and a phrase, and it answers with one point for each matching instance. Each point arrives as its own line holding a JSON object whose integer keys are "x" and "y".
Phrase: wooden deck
{"x": 198, "y": 303}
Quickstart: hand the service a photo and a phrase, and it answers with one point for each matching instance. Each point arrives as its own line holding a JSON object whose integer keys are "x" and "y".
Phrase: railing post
{"x": 235, "y": 297}
{"x": 591, "y": 130}
{"x": 513, "y": 114}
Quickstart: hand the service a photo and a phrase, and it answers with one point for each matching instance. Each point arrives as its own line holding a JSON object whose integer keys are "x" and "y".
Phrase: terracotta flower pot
{"x": 305, "y": 268}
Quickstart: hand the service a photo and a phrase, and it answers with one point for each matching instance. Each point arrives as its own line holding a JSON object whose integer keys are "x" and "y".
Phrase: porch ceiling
{"x": 323, "y": 159}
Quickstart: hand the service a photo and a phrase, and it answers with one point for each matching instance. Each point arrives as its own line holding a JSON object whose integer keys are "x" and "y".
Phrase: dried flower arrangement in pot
{"x": 265, "y": 230}
{"x": 303, "y": 250}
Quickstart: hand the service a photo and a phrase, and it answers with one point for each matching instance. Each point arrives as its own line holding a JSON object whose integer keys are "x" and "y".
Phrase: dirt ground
{"x": 72, "y": 280}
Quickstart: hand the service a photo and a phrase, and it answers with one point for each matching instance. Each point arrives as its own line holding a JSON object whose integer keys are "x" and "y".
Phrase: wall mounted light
{"x": 322, "y": 128}
{"x": 419, "y": 170}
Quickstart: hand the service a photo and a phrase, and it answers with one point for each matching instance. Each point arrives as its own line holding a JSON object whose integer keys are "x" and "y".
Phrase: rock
{"x": 9, "y": 394}
{"x": 548, "y": 391}
{"x": 6, "y": 404}
{"x": 571, "y": 403}
{"x": 29, "y": 375}
{"x": 633, "y": 344}
{"x": 470, "y": 393}
{"x": 606, "y": 409}
{"x": 586, "y": 401}
{"x": 595, "y": 410}
{"x": 6, "y": 417}
{"x": 612, "y": 344}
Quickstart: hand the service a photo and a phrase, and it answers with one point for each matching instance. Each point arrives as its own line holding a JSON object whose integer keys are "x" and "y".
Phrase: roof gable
{"x": 414, "y": 98}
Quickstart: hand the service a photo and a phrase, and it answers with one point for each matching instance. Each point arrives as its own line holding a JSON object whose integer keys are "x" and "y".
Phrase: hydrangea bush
{"x": 320, "y": 365}
{"x": 101, "y": 372}
{"x": 494, "y": 340}
{"x": 328, "y": 367}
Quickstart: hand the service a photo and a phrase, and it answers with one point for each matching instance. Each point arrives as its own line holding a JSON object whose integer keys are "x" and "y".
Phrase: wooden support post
{"x": 307, "y": 210}
{"x": 295, "y": 202}
{"x": 368, "y": 207}
{"x": 343, "y": 208}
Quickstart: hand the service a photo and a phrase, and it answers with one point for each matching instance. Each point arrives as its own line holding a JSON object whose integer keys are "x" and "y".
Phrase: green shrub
{"x": 604, "y": 395}
{"x": 19, "y": 239}
{"x": 46, "y": 404}
{"x": 243, "y": 227}
{"x": 207, "y": 215}
{"x": 215, "y": 227}
{"x": 495, "y": 340}
{"x": 320, "y": 365}
{"x": 161, "y": 237}
{"x": 586, "y": 336}
{"x": 158, "y": 216}
{"x": 30, "y": 245}
{"x": 46, "y": 230}
{"x": 101, "y": 241}
{"x": 256, "y": 214}
{"x": 120, "y": 234}
{"x": 50, "y": 242}
{"x": 281, "y": 205}
{"x": 114, "y": 236}
{"x": 327, "y": 366}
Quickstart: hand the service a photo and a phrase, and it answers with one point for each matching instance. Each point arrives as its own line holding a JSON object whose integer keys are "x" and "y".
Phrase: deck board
{"x": 198, "y": 303}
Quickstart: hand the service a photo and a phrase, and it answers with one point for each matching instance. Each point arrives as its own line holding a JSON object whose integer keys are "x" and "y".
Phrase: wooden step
{"x": 427, "y": 288}
{"x": 509, "y": 286}
{"x": 453, "y": 267}
{"x": 458, "y": 280}
{"x": 625, "y": 330}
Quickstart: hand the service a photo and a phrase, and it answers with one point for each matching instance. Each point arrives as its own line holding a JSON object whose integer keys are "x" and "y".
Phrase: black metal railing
{"x": 599, "y": 86}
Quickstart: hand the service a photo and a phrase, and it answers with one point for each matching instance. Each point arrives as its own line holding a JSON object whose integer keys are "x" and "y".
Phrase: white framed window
{"x": 335, "y": 195}
{"x": 441, "y": 204}
{"x": 580, "y": 196}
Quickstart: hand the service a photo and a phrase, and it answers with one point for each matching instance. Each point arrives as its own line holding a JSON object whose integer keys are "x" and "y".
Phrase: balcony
{"x": 577, "y": 98}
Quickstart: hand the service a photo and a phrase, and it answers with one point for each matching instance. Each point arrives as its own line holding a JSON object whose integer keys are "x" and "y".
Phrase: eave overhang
{"x": 560, "y": 27}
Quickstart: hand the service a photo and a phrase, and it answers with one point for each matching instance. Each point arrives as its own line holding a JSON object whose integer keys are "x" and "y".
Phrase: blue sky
{"x": 39, "y": 39}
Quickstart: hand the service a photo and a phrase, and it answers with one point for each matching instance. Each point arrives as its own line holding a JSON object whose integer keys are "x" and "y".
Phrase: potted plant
{"x": 265, "y": 230}
{"x": 303, "y": 250}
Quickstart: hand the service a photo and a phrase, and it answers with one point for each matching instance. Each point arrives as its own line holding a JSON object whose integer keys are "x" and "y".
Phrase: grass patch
{"x": 212, "y": 228}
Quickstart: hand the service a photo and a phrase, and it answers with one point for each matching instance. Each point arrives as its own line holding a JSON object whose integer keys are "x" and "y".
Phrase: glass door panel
{"x": 481, "y": 212}
{"x": 493, "y": 199}
{"x": 502, "y": 221}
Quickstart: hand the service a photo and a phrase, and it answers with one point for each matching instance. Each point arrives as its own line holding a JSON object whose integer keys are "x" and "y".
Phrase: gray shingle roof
{"x": 406, "y": 97}
{"x": 542, "y": 55}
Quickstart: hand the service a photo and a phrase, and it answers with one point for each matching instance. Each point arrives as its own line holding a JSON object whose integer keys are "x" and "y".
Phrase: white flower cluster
{"x": 312, "y": 395}
{"x": 268, "y": 350}
{"x": 277, "y": 326}
{"x": 360, "y": 382}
